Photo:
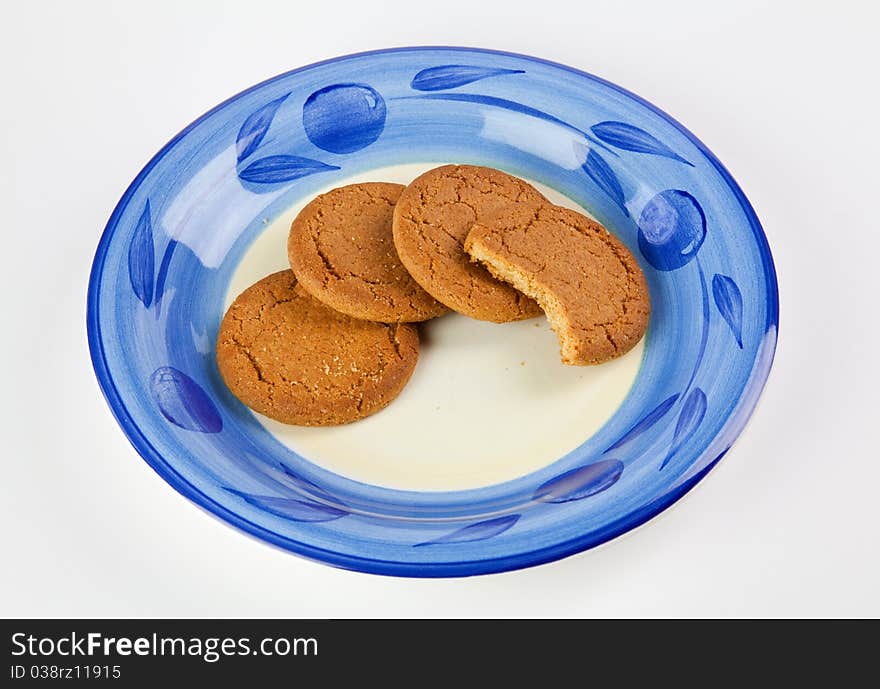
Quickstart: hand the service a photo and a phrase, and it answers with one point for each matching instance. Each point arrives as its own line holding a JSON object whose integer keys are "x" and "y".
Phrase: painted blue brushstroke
{"x": 282, "y": 168}
{"x": 704, "y": 331}
{"x": 453, "y": 76}
{"x": 141, "y": 260}
{"x": 651, "y": 418}
{"x": 183, "y": 402}
{"x": 630, "y": 138}
{"x": 581, "y": 482}
{"x": 600, "y": 172}
{"x": 476, "y": 532}
{"x": 692, "y": 412}
{"x": 729, "y": 301}
{"x": 303, "y": 484}
{"x": 509, "y": 105}
{"x": 288, "y": 508}
{"x": 162, "y": 275}
{"x": 254, "y": 128}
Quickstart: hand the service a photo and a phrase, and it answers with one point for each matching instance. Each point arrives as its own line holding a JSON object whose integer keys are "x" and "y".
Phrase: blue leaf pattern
{"x": 476, "y": 532}
{"x": 629, "y": 138}
{"x": 141, "y": 260}
{"x": 254, "y": 128}
{"x": 729, "y": 301}
{"x": 295, "y": 510}
{"x": 647, "y": 421}
{"x": 453, "y": 76}
{"x": 282, "y": 168}
{"x": 601, "y": 173}
{"x": 183, "y": 402}
{"x": 162, "y": 275}
{"x": 689, "y": 419}
{"x": 581, "y": 482}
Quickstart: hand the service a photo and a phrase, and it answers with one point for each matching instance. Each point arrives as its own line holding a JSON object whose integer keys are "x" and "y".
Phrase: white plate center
{"x": 487, "y": 403}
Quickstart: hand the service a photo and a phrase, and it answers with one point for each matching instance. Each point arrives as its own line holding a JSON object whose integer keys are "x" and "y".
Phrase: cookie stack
{"x": 334, "y": 339}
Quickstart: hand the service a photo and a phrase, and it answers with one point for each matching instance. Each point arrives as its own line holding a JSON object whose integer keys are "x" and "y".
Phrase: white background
{"x": 785, "y": 94}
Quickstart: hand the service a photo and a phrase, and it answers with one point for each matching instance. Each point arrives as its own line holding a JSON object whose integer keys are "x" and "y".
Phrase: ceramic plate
{"x": 496, "y": 456}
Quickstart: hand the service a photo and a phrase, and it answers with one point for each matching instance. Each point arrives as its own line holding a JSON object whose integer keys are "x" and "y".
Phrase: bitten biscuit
{"x": 431, "y": 220}
{"x": 588, "y": 283}
{"x": 341, "y": 250}
{"x": 288, "y": 356}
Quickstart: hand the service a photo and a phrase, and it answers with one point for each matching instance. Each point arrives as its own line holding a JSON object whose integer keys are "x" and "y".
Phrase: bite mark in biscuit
{"x": 587, "y": 282}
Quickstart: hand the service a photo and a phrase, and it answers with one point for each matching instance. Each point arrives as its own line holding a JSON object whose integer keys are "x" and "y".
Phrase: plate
{"x": 496, "y": 456}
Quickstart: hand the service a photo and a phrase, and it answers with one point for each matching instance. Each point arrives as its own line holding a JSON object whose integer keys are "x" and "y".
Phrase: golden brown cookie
{"x": 588, "y": 283}
{"x": 342, "y": 253}
{"x": 431, "y": 220}
{"x": 290, "y": 357}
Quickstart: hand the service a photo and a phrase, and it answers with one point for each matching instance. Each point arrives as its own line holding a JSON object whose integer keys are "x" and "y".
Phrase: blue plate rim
{"x": 736, "y": 422}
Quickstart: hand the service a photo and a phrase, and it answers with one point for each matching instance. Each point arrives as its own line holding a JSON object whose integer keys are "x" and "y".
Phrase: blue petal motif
{"x": 629, "y": 138}
{"x": 649, "y": 420}
{"x": 183, "y": 402}
{"x": 601, "y": 173}
{"x": 672, "y": 228}
{"x": 692, "y": 413}
{"x": 344, "y": 118}
{"x": 254, "y": 128}
{"x": 453, "y": 76}
{"x": 729, "y": 301}
{"x": 141, "y": 260}
{"x": 581, "y": 482}
{"x": 476, "y": 532}
{"x": 162, "y": 275}
{"x": 283, "y": 168}
{"x": 295, "y": 510}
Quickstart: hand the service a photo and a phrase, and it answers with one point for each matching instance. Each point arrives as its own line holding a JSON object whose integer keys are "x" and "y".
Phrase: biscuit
{"x": 588, "y": 283}
{"x": 431, "y": 220}
{"x": 341, "y": 250}
{"x": 288, "y": 356}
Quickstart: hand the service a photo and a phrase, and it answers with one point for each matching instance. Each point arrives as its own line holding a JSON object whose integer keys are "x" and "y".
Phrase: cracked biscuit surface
{"x": 588, "y": 283}
{"x": 341, "y": 250}
{"x": 288, "y": 356}
{"x": 431, "y": 221}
